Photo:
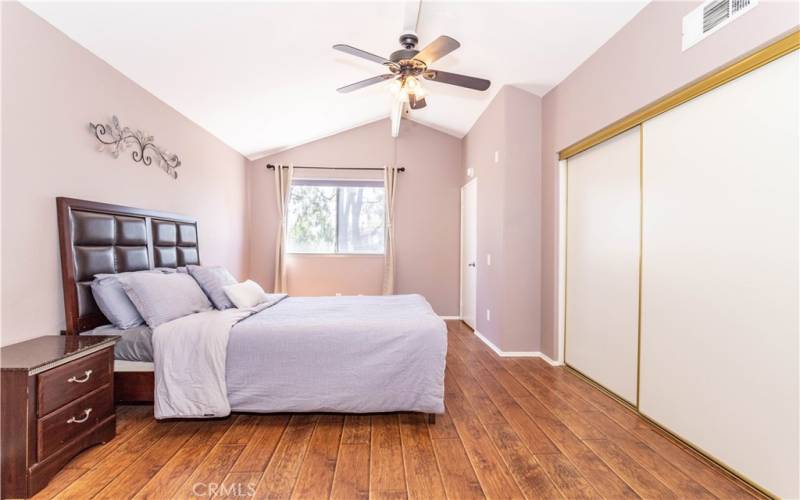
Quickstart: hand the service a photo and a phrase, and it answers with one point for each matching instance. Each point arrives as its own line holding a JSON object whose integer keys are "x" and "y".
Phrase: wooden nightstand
{"x": 57, "y": 400}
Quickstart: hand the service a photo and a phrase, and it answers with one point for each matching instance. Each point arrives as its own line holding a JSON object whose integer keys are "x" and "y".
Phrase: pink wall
{"x": 485, "y": 137}
{"x": 427, "y": 205}
{"x": 509, "y": 201}
{"x": 316, "y": 275}
{"x": 52, "y": 88}
{"x": 640, "y": 64}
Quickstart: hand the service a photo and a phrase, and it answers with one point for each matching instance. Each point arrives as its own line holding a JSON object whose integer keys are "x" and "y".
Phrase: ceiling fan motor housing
{"x": 404, "y": 58}
{"x": 398, "y": 56}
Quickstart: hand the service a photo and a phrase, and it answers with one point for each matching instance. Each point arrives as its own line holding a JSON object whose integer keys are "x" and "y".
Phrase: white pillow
{"x": 245, "y": 294}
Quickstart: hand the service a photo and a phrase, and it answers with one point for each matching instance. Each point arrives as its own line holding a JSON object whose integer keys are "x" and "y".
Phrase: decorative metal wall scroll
{"x": 119, "y": 139}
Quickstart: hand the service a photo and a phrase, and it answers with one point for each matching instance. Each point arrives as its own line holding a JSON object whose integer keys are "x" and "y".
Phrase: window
{"x": 339, "y": 216}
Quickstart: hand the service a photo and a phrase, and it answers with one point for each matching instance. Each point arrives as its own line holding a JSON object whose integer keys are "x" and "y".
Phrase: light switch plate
{"x": 488, "y": 259}
{"x": 497, "y": 156}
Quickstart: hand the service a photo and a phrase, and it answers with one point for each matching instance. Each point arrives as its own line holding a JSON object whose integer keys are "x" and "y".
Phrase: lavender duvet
{"x": 303, "y": 354}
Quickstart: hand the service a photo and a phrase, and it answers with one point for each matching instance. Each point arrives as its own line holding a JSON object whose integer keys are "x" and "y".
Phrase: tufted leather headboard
{"x": 102, "y": 238}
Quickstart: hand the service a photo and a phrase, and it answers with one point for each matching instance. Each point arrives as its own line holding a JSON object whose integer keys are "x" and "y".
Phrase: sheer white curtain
{"x": 390, "y": 186}
{"x": 283, "y": 187}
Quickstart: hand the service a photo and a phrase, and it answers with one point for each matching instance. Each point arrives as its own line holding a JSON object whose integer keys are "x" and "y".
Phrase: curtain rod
{"x": 270, "y": 166}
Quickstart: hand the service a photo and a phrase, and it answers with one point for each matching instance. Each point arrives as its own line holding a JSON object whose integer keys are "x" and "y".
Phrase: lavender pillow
{"x": 212, "y": 279}
{"x": 163, "y": 297}
{"x": 114, "y": 302}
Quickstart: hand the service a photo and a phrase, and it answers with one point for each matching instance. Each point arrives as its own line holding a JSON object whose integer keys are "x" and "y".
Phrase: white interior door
{"x": 719, "y": 360}
{"x": 602, "y": 274}
{"x": 469, "y": 251}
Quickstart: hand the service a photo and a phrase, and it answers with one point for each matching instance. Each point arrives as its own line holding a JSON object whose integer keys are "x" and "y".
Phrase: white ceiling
{"x": 262, "y": 76}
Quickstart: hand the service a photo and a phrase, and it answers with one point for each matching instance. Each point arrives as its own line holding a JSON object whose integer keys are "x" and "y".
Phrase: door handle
{"x": 471, "y": 264}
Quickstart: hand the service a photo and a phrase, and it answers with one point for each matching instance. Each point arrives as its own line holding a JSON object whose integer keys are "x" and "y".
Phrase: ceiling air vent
{"x": 710, "y": 16}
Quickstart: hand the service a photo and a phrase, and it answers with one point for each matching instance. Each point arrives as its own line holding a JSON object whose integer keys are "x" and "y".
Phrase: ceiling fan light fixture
{"x": 396, "y": 86}
{"x": 399, "y": 90}
{"x": 402, "y": 87}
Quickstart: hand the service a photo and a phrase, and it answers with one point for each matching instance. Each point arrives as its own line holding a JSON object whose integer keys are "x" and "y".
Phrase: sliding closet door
{"x": 719, "y": 346}
{"x": 603, "y": 223}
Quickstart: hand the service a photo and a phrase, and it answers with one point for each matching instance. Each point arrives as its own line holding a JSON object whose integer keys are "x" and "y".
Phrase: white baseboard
{"x": 450, "y": 317}
{"x": 516, "y": 354}
{"x": 549, "y": 360}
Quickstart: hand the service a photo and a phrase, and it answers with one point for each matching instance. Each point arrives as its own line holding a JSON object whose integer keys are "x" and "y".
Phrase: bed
{"x": 302, "y": 354}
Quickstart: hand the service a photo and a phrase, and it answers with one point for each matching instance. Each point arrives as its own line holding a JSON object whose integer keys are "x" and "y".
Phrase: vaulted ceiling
{"x": 262, "y": 76}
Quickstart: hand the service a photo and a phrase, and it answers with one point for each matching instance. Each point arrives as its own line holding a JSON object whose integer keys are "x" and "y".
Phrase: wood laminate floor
{"x": 514, "y": 428}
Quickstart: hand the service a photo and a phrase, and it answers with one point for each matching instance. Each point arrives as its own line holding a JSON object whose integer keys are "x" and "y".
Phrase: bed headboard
{"x": 103, "y": 238}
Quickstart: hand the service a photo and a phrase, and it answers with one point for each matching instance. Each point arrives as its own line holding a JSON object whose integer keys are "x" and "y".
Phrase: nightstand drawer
{"x": 68, "y": 382}
{"x": 64, "y": 425}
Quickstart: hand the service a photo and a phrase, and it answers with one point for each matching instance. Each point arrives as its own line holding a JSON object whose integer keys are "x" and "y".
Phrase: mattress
{"x": 120, "y": 365}
{"x": 135, "y": 344}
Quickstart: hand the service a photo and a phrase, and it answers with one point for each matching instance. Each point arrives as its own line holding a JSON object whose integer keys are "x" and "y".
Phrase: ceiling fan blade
{"x": 415, "y": 103}
{"x": 364, "y": 83}
{"x": 437, "y": 49}
{"x": 361, "y": 53}
{"x": 469, "y": 82}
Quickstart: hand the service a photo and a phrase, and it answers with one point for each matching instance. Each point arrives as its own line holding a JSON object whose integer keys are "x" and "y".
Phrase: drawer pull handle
{"x": 86, "y": 375}
{"x": 81, "y": 420}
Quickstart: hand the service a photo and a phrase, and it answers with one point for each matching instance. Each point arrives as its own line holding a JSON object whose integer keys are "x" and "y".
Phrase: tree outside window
{"x": 332, "y": 217}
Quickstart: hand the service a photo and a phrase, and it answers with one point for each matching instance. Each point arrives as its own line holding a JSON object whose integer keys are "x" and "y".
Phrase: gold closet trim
{"x": 706, "y": 83}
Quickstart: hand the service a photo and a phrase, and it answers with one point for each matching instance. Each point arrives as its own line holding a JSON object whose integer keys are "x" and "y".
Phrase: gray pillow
{"x": 211, "y": 279}
{"x": 163, "y": 297}
{"x": 114, "y": 302}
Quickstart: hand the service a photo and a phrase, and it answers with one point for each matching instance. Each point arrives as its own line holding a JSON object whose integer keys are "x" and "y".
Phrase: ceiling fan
{"x": 407, "y": 65}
